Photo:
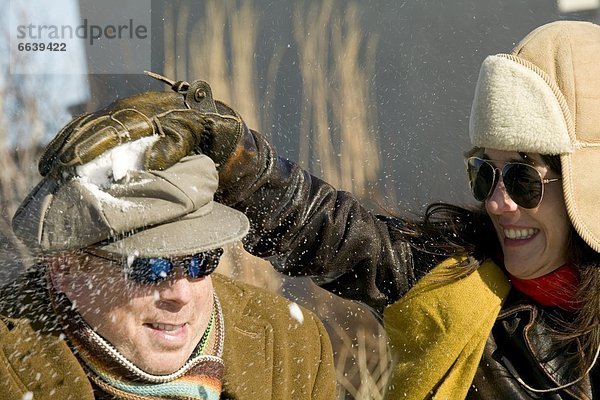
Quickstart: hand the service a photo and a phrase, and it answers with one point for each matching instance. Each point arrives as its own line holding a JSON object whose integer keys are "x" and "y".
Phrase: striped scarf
{"x": 112, "y": 373}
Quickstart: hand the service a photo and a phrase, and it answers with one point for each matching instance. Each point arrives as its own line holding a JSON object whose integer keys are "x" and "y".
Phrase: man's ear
{"x": 60, "y": 270}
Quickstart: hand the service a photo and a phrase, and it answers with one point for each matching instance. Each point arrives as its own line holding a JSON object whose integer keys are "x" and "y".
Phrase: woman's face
{"x": 534, "y": 241}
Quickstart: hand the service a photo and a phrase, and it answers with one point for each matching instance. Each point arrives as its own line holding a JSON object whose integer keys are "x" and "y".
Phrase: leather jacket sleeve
{"x": 307, "y": 228}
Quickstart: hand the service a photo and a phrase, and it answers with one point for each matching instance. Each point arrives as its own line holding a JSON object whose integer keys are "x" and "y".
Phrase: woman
{"x": 441, "y": 281}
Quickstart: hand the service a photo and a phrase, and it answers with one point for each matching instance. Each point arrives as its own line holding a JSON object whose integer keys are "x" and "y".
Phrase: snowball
{"x": 114, "y": 165}
{"x": 105, "y": 197}
{"x": 296, "y": 312}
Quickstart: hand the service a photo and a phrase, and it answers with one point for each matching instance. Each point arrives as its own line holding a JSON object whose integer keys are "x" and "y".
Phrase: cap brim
{"x": 223, "y": 225}
{"x": 581, "y": 185}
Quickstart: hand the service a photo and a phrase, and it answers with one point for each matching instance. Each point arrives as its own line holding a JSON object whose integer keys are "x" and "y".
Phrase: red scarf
{"x": 558, "y": 288}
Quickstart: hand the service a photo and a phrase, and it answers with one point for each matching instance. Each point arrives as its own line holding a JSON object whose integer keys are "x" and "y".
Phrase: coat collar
{"x": 248, "y": 343}
{"x": 528, "y": 329}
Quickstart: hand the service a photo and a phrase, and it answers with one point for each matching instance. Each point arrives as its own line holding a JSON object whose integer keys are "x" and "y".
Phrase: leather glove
{"x": 186, "y": 121}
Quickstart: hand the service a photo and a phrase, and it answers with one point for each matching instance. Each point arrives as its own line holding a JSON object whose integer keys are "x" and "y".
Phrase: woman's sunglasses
{"x": 523, "y": 183}
{"x": 149, "y": 270}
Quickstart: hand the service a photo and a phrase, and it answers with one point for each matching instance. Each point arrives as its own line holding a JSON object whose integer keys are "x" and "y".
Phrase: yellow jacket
{"x": 437, "y": 332}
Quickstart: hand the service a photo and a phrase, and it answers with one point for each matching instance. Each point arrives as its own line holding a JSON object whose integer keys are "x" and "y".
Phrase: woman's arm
{"x": 307, "y": 228}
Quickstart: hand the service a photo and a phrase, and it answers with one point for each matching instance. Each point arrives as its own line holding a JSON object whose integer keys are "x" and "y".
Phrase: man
{"x": 124, "y": 304}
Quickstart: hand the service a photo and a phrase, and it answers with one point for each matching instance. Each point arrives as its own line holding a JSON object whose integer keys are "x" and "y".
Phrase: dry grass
{"x": 336, "y": 61}
{"x": 358, "y": 358}
{"x": 338, "y": 113}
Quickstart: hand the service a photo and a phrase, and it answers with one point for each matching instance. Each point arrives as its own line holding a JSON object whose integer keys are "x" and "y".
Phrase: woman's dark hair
{"x": 446, "y": 230}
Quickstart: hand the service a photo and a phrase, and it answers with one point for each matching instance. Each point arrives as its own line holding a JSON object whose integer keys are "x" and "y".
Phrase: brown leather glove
{"x": 187, "y": 121}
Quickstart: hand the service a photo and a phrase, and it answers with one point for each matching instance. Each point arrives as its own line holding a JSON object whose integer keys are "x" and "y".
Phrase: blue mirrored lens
{"x": 160, "y": 268}
{"x": 203, "y": 264}
{"x": 150, "y": 270}
{"x": 194, "y": 268}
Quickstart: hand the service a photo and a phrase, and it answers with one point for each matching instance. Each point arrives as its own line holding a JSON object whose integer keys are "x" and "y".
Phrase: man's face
{"x": 156, "y": 326}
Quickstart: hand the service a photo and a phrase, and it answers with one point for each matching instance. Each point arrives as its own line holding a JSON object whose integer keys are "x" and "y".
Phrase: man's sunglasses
{"x": 149, "y": 270}
{"x": 524, "y": 184}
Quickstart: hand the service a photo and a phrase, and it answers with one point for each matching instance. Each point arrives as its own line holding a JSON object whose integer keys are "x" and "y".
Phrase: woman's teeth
{"x": 519, "y": 234}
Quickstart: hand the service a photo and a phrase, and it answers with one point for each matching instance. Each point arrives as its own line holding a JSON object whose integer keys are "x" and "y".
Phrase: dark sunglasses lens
{"x": 150, "y": 270}
{"x": 204, "y": 264}
{"x": 481, "y": 178}
{"x": 198, "y": 266}
{"x": 523, "y": 184}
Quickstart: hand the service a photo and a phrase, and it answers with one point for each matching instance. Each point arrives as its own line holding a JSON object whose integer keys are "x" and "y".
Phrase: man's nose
{"x": 177, "y": 290}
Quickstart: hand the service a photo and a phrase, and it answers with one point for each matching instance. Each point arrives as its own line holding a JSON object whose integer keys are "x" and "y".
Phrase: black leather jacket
{"x": 518, "y": 348}
{"x": 307, "y": 228}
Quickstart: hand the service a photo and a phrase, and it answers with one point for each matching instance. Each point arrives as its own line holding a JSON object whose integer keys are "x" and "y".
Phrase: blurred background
{"x": 373, "y": 96}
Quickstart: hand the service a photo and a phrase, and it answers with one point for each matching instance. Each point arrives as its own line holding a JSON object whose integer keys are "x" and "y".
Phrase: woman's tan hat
{"x": 544, "y": 98}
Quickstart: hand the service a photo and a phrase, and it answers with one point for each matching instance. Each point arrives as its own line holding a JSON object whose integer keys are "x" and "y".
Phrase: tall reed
{"x": 357, "y": 358}
{"x": 339, "y": 114}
